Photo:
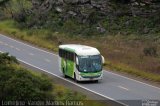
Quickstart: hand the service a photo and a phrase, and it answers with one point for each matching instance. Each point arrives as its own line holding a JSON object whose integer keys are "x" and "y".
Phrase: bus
{"x": 80, "y": 62}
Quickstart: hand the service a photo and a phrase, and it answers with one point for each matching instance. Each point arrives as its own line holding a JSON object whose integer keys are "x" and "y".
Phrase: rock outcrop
{"x": 90, "y": 11}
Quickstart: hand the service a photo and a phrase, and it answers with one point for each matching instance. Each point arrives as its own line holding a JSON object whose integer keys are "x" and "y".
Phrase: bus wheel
{"x": 96, "y": 81}
{"x": 64, "y": 74}
{"x": 75, "y": 79}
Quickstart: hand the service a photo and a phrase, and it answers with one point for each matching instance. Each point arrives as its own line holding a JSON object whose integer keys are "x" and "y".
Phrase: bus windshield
{"x": 90, "y": 63}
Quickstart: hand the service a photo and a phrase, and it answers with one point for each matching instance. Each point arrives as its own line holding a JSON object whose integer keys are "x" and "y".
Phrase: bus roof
{"x": 80, "y": 49}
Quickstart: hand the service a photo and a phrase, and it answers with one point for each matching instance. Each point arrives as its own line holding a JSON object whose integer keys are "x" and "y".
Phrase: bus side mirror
{"x": 77, "y": 62}
{"x": 103, "y": 60}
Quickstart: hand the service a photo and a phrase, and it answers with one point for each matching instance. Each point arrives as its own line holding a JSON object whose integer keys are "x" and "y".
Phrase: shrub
{"x": 150, "y": 51}
{"x": 17, "y": 83}
{"x": 70, "y": 95}
{"x": 19, "y": 17}
{"x": 6, "y": 59}
{"x": 22, "y": 85}
{"x": 13, "y": 32}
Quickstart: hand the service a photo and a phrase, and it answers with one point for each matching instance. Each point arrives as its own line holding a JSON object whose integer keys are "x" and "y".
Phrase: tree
{"x": 17, "y": 83}
{"x": 6, "y": 59}
{"x": 3, "y": 2}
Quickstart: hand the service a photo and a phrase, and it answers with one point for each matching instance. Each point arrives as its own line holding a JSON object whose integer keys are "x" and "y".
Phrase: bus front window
{"x": 90, "y": 63}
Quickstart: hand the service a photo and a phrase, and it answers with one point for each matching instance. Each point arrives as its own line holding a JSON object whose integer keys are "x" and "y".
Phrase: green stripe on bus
{"x": 68, "y": 67}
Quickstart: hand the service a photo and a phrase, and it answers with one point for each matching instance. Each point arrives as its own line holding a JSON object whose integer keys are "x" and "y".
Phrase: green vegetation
{"x": 136, "y": 72}
{"x": 38, "y": 37}
{"x": 17, "y": 83}
{"x": 127, "y": 33}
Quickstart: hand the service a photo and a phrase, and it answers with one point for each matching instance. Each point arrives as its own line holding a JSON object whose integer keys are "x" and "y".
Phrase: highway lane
{"x": 113, "y": 86}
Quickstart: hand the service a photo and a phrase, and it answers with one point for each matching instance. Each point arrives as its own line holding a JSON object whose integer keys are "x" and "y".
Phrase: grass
{"x": 133, "y": 71}
{"x": 61, "y": 93}
{"x": 36, "y": 37}
{"x": 122, "y": 53}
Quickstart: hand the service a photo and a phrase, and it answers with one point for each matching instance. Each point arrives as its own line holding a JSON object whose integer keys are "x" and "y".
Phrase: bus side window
{"x": 72, "y": 56}
{"x": 61, "y": 53}
{"x": 68, "y": 56}
{"x": 65, "y": 54}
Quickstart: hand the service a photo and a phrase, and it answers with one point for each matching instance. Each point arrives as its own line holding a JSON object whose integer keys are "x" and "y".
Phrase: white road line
{"x": 47, "y": 60}
{"x": 133, "y": 80}
{"x": 11, "y": 46}
{"x": 123, "y": 88}
{"x": 17, "y": 49}
{"x": 1, "y": 42}
{"x": 5, "y": 44}
{"x": 57, "y": 56}
{"x": 28, "y": 45}
{"x": 31, "y": 54}
{"x": 72, "y": 82}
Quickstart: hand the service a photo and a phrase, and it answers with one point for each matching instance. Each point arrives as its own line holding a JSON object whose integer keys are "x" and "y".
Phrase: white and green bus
{"x": 83, "y": 63}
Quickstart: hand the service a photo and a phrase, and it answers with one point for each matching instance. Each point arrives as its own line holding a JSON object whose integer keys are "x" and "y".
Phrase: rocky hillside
{"x": 82, "y": 9}
{"x": 107, "y": 7}
{"x": 92, "y": 16}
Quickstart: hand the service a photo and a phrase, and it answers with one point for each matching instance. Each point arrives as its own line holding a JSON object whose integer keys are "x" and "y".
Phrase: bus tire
{"x": 75, "y": 79}
{"x": 96, "y": 81}
{"x": 64, "y": 74}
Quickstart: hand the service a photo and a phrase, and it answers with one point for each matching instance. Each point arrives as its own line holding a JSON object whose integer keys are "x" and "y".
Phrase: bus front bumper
{"x": 89, "y": 78}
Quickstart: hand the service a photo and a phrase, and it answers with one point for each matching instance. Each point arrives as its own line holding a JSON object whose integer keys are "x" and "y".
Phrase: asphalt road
{"x": 113, "y": 86}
